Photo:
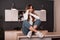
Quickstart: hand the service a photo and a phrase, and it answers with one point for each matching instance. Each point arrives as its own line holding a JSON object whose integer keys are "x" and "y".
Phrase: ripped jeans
{"x": 26, "y": 25}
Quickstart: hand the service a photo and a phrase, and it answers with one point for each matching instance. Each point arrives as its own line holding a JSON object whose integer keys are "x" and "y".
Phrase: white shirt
{"x": 26, "y": 17}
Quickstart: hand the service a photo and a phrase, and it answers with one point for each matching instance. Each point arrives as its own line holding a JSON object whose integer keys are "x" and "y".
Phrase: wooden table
{"x": 16, "y": 35}
{"x": 47, "y": 36}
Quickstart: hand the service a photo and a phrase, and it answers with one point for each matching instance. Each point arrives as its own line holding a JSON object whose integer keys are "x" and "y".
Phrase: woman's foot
{"x": 39, "y": 34}
{"x": 29, "y": 34}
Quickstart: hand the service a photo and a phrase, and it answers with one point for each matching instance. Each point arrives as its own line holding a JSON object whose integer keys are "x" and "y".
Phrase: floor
{"x": 56, "y": 39}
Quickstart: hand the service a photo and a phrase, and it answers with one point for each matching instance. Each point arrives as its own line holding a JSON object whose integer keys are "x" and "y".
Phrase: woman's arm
{"x": 25, "y": 15}
{"x": 37, "y": 17}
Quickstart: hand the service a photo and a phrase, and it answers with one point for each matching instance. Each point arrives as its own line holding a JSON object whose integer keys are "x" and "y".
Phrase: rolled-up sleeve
{"x": 25, "y": 15}
{"x": 36, "y": 17}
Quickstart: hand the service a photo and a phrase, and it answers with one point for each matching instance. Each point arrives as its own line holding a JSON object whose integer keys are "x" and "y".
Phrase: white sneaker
{"x": 29, "y": 34}
{"x": 39, "y": 34}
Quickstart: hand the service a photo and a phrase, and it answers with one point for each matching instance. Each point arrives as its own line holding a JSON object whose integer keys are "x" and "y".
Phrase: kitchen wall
{"x": 48, "y": 5}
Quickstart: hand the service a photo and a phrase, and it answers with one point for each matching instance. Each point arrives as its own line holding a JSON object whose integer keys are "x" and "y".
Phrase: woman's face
{"x": 31, "y": 9}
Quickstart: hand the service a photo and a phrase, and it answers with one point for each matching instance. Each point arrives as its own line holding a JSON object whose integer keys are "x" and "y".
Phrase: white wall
{"x": 57, "y": 15}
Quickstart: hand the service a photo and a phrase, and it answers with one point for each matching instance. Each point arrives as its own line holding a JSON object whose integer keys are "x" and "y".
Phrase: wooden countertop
{"x": 45, "y": 32}
{"x": 52, "y": 35}
{"x": 46, "y": 35}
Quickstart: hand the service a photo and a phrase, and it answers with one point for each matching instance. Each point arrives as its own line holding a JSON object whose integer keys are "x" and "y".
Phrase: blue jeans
{"x": 26, "y": 25}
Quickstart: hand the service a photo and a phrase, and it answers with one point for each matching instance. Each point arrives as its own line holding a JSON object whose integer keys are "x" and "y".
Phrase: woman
{"x": 31, "y": 22}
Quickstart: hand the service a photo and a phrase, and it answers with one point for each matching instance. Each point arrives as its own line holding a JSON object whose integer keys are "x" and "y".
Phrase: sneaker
{"x": 39, "y": 34}
{"x": 29, "y": 34}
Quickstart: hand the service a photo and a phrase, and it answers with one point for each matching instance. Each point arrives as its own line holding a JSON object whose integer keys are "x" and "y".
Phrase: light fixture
{"x": 13, "y": 5}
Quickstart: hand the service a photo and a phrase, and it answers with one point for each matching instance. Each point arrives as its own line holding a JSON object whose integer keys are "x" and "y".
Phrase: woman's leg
{"x": 26, "y": 27}
{"x": 36, "y": 23}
